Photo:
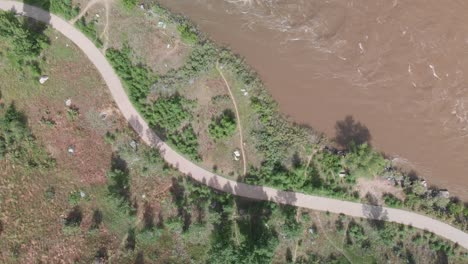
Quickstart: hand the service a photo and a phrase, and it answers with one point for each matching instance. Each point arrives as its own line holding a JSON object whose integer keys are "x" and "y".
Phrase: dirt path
{"x": 237, "y": 117}
{"x": 105, "y": 33}
{"x": 215, "y": 181}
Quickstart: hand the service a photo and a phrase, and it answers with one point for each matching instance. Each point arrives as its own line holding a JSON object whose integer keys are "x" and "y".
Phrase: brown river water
{"x": 398, "y": 67}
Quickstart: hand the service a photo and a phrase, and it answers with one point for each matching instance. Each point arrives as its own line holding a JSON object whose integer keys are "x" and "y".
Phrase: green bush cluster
{"x": 168, "y": 113}
{"x": 136, "y": 78}
{"x": 391, "y": 200}
{"x": 129, "y": 4}
{"x": 186, "y": 142}
{"x": 223, "y": 126}
{"x": 188, "y": 34}
{"x": 362, "y": 160}
{"x": 24, "y": 45}
{"x": 17, "y": 144}
{"x": 357, "y": 235}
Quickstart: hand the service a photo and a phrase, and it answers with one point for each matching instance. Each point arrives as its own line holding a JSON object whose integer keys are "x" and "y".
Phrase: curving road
{"x": 213, "y": 180}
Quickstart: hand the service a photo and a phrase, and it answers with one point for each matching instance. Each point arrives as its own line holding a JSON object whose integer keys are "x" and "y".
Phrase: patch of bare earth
{"x": 155, "y": 42}
{"x": 377, "y": 187}
{"x": 212, "y": 99}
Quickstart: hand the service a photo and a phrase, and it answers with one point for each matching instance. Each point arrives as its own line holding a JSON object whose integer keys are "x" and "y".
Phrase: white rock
{"x": 43, "y": 79}
{"x": 68, "y": 102}
{"x": 71, "y": 150}
{"x": 82, "y": 194}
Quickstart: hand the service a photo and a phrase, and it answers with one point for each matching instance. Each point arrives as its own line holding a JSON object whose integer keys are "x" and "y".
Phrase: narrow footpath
{"x": 215, "y": 181}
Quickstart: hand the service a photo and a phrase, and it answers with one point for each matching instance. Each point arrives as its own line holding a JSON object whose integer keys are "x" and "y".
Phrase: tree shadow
{"x": 74, "y": 217}
{"x": 349, "y": 131}
{"x": 148, "y": 216}
{"x": 178, "y": 196}
{"x": 37, "y": 9}
{"x": 96, "y": 219}
{"x": 376, "y": 214}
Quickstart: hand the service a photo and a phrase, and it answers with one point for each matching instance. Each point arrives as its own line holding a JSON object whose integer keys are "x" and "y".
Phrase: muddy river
{"x": 398, "y": 67}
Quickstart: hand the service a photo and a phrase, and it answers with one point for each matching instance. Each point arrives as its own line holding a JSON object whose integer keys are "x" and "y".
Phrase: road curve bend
{"x": 215, "y": 181}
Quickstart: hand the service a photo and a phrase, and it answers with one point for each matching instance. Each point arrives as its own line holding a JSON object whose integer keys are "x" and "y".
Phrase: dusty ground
{"x": 156, "y": 43}
{"x": 212, "y": 99}
{"x": 377, "y": 187}
{"x": 33, "y": 204}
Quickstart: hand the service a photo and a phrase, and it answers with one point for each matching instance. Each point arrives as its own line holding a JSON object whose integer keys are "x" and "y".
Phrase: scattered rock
{"x": 43, "y": 79}
{"x": 143, "y": 196}
{"x": 68, "y": 102}
{"x": 444, "y": 194}
{"x": 424, "y": 183}
{"x": 161, "y": 24}
{"x": 71, "y": 150}
{"x": 82, "y": 194}
{"x": 168, "y": 46}
{"x": 134, "y": 145}
{"x": 103, "y": 115}
{"x": 236, "y": 155}
{"x": 342, "y": 174}
{"x": 142, "y": 6}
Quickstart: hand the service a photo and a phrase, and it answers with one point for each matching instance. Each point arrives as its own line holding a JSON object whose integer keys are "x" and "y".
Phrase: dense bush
{"x": 362, "y": 160}
{"x": 168, "y": 113}
{"x": 187, "y": 33}
{"x": 136, "y": 78}
{"x": 24, "y": 45}
{"x": 129, "y": 4}
{"x": 17, "y": 143}
{"x": 391, "y": 200}
{"x": 119, "y": 186}
{"x": 186, "y": 141}
{"x": 223, "y": 126}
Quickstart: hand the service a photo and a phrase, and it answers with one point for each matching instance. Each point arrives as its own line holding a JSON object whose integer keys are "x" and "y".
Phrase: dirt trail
{"x": 215, "y": 181}
{"x": 105, "y": 33}
{"x": 237, "y": 117}
{"x": 84, "y": 10}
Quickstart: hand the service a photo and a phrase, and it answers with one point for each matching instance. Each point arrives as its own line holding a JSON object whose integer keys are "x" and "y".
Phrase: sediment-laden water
{"x": 398, "y": 67}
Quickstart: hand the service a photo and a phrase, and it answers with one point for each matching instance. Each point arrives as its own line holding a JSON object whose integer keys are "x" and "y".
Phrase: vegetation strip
{"x": 217, "y": 182}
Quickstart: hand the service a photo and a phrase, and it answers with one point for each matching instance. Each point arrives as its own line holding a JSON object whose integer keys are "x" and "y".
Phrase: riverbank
{"x": 309, "y": 56}
{"x": 280, "y": 154}
{"x": 131, "y": 206}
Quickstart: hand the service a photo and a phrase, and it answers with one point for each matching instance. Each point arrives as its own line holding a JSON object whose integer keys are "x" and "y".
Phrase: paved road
{"x": 213, "y": 180}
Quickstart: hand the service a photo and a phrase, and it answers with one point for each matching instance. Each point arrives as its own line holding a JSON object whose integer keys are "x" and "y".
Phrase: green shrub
{"x": 129, "y": 4}
{"x": 17, "y": 143}
{"x": 187, "y": 33}
{"x": 186, "y": 142}
{"x": 330, "y": 163}
{"x": 362, "y": 160}
{"x": 392, "y": 201}
{"x": 223, "y": 126}
{"x": 168, "y": 113}
{"x": 136, "y": 78}
{"x": 24, "y": 45}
